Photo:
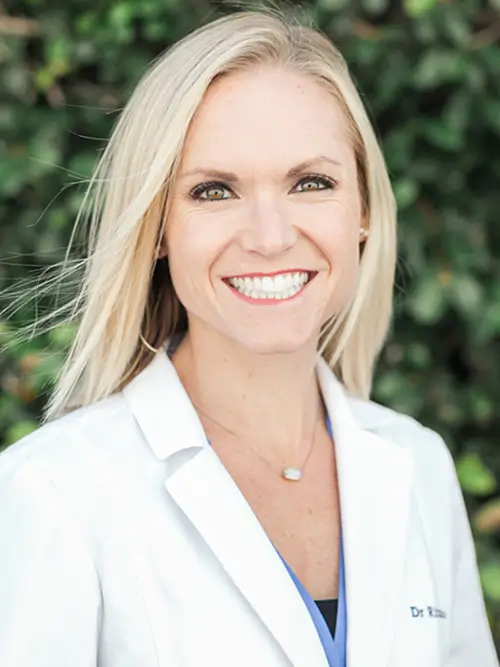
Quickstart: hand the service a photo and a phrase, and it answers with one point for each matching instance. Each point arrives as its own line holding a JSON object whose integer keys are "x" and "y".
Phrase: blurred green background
{"x": 429, "y": 72}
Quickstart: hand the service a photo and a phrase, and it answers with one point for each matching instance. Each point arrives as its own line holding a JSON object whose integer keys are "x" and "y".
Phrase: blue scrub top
{"x": 335, "y": 648}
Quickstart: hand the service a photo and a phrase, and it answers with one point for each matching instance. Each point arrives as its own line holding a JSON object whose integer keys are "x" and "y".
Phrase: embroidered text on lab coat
{"x": 427, "y": 612}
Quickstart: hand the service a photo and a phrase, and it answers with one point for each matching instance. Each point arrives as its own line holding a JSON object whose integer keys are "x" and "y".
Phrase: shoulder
{"x": 72, "y": 444}
{"x": 399, "y": 427}
{"x": 430, "y": 454}
{"x": 435, "y": 490}
{"x": 82, "y": 470}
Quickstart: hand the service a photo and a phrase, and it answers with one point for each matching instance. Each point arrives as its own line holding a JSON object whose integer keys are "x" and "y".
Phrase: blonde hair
{"x": 126, "y": 307}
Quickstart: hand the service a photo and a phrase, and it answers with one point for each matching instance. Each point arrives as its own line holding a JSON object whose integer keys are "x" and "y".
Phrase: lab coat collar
{"x": 158, "y": 392}
{"x": 374, "y": 486}
{"x": 163, "y": 410}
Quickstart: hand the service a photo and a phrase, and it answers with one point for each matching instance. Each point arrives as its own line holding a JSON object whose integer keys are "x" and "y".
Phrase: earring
{"x": 147, "y": 345}
{"x": 363, "y": 234}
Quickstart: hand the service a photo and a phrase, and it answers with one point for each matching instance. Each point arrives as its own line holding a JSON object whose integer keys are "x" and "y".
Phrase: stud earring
{"x": 363, "y": 234}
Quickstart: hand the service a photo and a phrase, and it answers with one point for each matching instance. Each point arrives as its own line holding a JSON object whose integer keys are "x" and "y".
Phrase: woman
{"x": 225, "y": 493}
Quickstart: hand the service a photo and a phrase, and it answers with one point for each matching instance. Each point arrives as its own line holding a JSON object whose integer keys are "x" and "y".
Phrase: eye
{"x": 315, "y": 182}
{"x": 213, "y": 191}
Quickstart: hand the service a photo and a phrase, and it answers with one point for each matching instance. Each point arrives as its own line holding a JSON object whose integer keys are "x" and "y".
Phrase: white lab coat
{"x": 125, "y": 543}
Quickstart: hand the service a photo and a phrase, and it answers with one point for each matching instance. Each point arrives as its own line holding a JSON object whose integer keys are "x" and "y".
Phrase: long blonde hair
{"x": 126, "y": 306}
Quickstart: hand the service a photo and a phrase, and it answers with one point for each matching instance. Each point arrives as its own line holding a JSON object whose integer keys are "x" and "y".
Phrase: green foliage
{"x": 474, "y": 476}
{"x": 429, "y": 73}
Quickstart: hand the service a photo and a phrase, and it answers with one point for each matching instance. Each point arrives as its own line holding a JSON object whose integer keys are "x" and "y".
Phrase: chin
{"x": 270, "y": 345}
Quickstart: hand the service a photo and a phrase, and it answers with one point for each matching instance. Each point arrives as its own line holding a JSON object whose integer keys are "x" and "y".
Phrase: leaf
{"x": 490, "y": 580}
{"x": 406, "y": 192}
{"x": 482, "y": 406}
{"x": 20, "y": 430}
{"x": 332, "y": 5}
{"x": 63, "y": 335}
{"x": 428, "y": 301}
{"x": 438, "y": 66}
{"x": 475, "y": 478}
{"x": 457, "y": 112}
{"x": 443, "y": 135}
{"x": 121, "y": 14}
{"x": 487, "y": 518}
{"x": 492, "y": 113}
{"x": 457, "y": 26}
{"x": 419, "y": 355}
{"x": 466, "y": 293}
{"x": 489, "y": 326}
{"x": 416, "y": 8}
{"x": 375, "y": 6}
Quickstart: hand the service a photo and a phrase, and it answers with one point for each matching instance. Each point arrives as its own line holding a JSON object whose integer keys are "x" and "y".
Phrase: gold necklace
{"x": 290, "y": 473}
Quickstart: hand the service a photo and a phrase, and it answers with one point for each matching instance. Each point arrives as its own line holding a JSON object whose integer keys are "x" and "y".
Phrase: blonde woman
{"x": 213, "y": 487}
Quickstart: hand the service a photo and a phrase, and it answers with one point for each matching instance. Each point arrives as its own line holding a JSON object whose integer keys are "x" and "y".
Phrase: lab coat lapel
{"x": 206, "y": 493}
{"x": 209, "y": 498}
{"x": 375, "y": 476}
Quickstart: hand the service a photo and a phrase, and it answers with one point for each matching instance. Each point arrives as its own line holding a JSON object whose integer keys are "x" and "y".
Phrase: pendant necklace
{"x": 295, "y": 474}
{"x": 289, "y": 473}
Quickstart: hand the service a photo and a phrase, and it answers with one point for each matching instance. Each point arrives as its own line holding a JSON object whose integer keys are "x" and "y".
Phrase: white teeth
{"x": 267, "y": 284}
{"x": 281, "y": 286}
{"x": 280, "y": 283}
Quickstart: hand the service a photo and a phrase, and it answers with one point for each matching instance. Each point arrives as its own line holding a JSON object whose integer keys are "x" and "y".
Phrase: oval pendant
{"x": 291, "y": 474}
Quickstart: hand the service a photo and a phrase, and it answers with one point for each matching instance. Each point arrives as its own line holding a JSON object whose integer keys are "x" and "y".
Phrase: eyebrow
{"x": 231, "y": 177}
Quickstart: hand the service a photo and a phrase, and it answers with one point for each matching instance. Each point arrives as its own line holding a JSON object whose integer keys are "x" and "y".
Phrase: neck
{"x": 272, "y": 400}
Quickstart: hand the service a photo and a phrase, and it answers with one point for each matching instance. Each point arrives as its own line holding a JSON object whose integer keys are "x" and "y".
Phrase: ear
{"x": 363, "y": 234}
{"x": 364, "y": 230}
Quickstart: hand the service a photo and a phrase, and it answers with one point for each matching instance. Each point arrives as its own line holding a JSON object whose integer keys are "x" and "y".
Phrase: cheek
{"x": 340, "y": 246}
{"x": 344, "y": 270}
{"x": 182, "y": 254}
{"x": 192, "y": 249}
{"x": 336, "y": 234}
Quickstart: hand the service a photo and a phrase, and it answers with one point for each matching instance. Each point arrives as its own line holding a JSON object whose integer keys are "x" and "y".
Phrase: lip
{"x": 271, "y": 274}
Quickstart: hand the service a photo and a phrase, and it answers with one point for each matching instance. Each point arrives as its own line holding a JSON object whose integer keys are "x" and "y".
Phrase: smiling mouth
{"x": 276, "y": 287}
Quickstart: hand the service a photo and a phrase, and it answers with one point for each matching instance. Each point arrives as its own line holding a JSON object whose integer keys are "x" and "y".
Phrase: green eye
{"x": 315, "y": 182}
{"x": 211, "y": 192}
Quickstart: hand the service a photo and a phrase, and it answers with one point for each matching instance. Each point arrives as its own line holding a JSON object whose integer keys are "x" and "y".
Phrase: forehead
{"x": 266, "y": 115}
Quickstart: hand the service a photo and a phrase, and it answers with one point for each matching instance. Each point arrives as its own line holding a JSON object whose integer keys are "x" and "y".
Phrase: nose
{"x": 268, "y": 232}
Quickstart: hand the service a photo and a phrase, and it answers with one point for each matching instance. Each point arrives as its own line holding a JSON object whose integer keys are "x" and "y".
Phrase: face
{"x": 264, "y": 229}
